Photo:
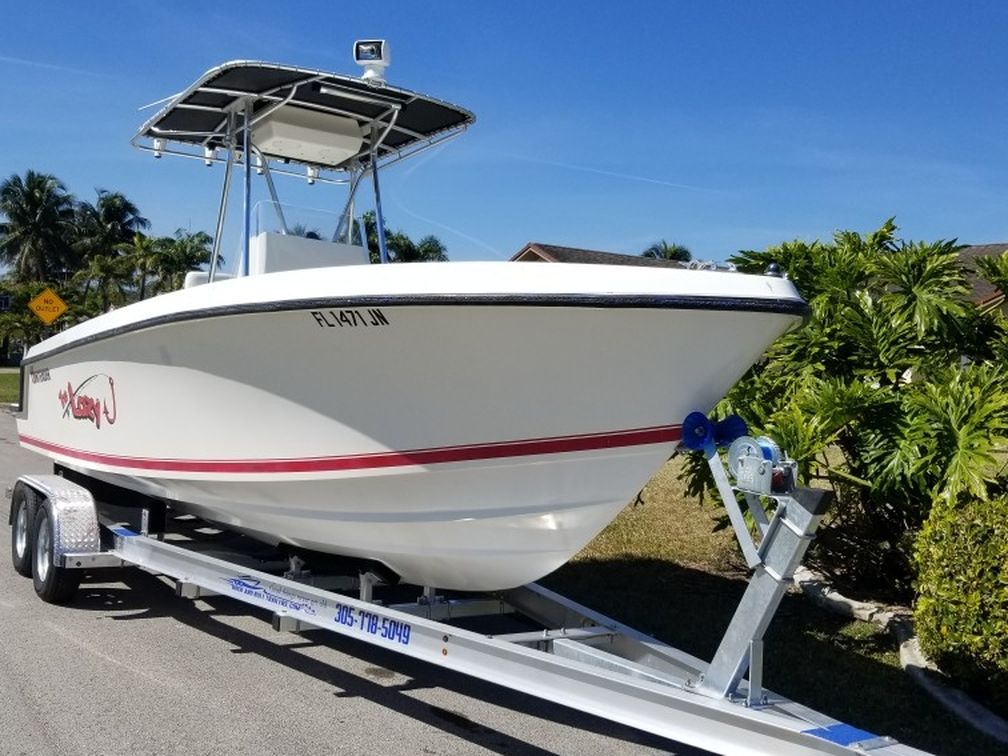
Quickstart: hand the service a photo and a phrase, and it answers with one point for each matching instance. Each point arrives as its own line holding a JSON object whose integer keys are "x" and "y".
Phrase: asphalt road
{"x": 130, "y": 668}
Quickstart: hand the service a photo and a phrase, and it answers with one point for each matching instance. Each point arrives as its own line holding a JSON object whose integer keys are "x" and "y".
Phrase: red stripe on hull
{"x": 528, "y": 447}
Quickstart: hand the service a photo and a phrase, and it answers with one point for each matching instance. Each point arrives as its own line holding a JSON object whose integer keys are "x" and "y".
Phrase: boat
{"x": 467, "y": 425}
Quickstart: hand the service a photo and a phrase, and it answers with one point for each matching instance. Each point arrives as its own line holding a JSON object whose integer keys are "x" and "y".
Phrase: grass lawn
{"x": 8, "y": 386}
{"x": 660, "y": 568}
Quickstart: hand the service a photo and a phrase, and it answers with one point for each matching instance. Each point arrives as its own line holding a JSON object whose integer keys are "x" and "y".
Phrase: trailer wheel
{"x": 24, "y": 503}
{"x": 53, "y": 584}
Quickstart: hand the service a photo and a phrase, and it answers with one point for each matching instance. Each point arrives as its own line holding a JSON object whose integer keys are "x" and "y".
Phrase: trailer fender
{"x": 72, "y": 507}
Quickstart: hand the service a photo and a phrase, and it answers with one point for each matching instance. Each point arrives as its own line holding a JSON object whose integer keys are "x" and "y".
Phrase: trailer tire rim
{"x": 42, "y": 547}
{"x": 21, "y": 531}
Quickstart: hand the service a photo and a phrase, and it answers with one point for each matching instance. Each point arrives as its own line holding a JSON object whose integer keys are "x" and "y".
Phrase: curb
{"x": 898, "y": 622}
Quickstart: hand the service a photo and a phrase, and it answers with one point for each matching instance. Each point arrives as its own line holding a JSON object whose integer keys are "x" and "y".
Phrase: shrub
{"x": 962, "y": 606}
{"x": 894, "y": 394}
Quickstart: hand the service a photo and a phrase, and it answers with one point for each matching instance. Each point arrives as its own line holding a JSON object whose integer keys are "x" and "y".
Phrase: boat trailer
{"x": 63, "y": 525}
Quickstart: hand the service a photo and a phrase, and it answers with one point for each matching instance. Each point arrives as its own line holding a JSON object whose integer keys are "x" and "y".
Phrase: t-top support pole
{"x": 383, "y": 255}
{"x": 268, "y": 175}
{"x": 222, "y": 210}
{"x": 247, "y": 193}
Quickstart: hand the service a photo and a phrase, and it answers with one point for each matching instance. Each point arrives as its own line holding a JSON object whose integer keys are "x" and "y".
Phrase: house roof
{"x": 538, "y": 252}
{"x": 983, "y": 291}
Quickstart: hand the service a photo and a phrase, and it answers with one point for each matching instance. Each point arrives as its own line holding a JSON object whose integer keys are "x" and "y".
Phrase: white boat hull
{"x": 467, "y": 439}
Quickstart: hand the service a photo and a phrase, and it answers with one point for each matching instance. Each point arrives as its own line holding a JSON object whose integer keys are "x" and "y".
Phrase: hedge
{"x": 962, "y": 606}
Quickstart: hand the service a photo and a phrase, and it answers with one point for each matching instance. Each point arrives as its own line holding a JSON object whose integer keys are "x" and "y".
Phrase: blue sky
{"x": 718, "y": 125}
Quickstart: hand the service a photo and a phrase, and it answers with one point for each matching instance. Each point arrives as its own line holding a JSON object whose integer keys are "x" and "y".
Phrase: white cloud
{"x": 47, "y": 66}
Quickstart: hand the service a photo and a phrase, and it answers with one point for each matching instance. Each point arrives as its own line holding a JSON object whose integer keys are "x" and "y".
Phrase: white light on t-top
{"x": 373, "y": 55}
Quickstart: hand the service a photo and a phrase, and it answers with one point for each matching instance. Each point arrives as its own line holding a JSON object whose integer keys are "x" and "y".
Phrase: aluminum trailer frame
{"x": 580, "y": 659}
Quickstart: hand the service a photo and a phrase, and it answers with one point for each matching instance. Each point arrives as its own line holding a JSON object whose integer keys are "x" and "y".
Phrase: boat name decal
{"x": 39, "y": 375}
{"x": 91, "y": 405}
{"x": 369, "y": 318}
{"x": 370, "y": 623}
{"x": 247, "y": 586}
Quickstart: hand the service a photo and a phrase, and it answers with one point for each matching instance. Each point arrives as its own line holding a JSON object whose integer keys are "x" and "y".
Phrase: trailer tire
{"x": 53, "y": 584}
{"x": 24, "y": 503}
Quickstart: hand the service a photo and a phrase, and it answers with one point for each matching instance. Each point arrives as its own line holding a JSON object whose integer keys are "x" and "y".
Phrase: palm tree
{"x": 662, "y": 250}
{"x": 428, "y": 249}
{"x": 39, "y": 222}
{"x": 400, "y": 247}
{"x": 110, "y": 275}
{"x": 142, "y": 254}
{"x": 300, "y": 229}
{"x": 20, "y": 327}
{"x": 187, "y": 251}
{"x": 111, "y": 221}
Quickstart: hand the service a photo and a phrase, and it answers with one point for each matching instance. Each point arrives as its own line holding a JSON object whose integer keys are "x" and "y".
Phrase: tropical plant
{"x": 142, "y": 254}
{"x": 995, "y": 270}
{"x": 35, "y": 235}
{"x": 300, "y": 229}
{"x": 19, "y": 326}
{"x": 662, "y": 250}
{"x": 97, "y": 254}
{"x": 962, "y": 607}
{"x": 100, "y": 228}
{"x": 886, "y": 395}
{"x": 400, "y": 247}
{"x": 186, "y": 251}
{"x": 107, "y": 277}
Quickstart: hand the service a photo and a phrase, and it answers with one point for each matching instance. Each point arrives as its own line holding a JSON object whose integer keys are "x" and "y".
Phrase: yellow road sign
{"x": 47, "y": 306}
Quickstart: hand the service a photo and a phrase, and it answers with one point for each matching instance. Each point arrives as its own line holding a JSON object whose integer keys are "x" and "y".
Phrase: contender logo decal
{"x": 98, "y": 402}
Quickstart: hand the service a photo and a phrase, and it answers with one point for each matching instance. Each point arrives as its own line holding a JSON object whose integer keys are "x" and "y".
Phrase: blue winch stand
{"x": 784, "y": 538}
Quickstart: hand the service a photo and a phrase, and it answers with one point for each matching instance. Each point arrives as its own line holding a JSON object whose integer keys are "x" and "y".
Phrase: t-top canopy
{"x": 314, "y": 118}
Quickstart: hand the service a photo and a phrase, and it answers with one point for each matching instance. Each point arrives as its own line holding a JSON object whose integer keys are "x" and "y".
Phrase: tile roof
{"x": 983, "y": 291}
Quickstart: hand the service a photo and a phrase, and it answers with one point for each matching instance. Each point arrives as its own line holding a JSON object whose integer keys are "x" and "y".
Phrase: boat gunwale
{"x": 774, "y": 305}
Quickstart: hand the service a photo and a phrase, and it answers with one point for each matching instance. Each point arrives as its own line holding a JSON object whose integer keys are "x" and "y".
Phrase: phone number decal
{"x": 370, "y": 623}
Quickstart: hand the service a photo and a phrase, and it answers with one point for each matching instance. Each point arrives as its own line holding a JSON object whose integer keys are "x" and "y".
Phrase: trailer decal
{"x": 247, "y": 586}
{"x": 842, "y": 734}
{"x": 370, "y": 623}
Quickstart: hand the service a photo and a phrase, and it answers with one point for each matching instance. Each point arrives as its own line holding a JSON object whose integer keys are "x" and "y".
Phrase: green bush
{"x": 962, "y": 606}
{"x": 894, "y": 394}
